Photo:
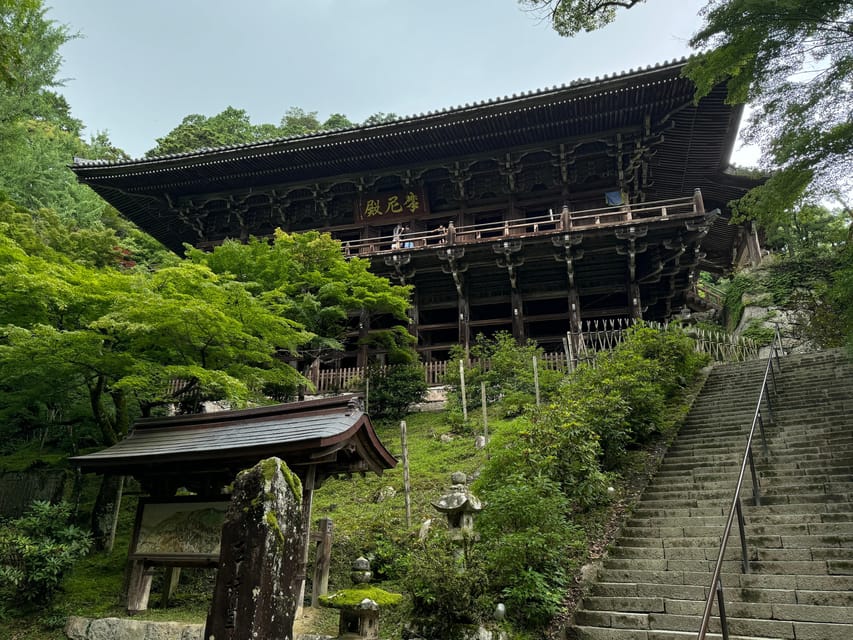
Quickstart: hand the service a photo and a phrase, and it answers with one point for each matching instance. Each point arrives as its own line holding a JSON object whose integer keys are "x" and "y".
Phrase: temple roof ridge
{"x": 578, "y": 83}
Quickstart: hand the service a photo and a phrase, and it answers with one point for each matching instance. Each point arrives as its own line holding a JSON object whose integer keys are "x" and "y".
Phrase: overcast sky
{"x": 139, "y": 67}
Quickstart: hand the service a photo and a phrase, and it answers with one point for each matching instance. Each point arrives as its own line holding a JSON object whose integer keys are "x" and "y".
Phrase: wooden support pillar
{"x": 454, "y": 265}
{"x": 635, "y": 301}
{"x": 414, "y": 317}
{"x": 322, "y": 561}
{"x": 753, "y": 246}
{"x": 139, "y": 586}
{"x": 464, "y": 322}
{"x": 575, "y": 327}
{"x": 363, "y": 332}
{"x": 517, "y": 316}
{"x": 307, "y": 499}
{"x": 170, "y": 584}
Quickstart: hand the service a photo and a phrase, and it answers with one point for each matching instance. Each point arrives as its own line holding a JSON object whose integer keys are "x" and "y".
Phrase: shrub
{"x": 550, "y": 442}
{"x": 394, "y": 389}
{"x": 37, "y": 550}
{"x": 525, "y": 539}
{"x": 448, "y": 591}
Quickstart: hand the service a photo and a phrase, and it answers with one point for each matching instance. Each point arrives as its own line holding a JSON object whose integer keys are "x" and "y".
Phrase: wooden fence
{"x": 595, "y": 336}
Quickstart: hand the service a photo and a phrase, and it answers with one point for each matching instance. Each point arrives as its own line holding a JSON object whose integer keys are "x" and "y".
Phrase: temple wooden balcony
{"x": 538, "y": 227}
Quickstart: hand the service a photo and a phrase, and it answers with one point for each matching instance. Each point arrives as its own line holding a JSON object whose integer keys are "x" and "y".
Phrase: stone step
{"x": 696, "y": 592}
{"x": 699, "y": 523}
{"x": 580, "y": 632}
{"x": 775, "y": 487}
{"x": 734, "y": 608}
{"x": 671, "y": 627}
{"x": 755, "y": 553}
{"x": 822, "y": 567}
{"x": 731, "y": 580}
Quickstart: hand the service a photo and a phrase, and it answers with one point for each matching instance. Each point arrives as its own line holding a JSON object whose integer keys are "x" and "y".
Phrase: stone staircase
{"x": 653, "y": 584}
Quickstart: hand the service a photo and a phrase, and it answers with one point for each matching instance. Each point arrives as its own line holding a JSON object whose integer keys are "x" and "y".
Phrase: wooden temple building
{"x": 532, "y": 213}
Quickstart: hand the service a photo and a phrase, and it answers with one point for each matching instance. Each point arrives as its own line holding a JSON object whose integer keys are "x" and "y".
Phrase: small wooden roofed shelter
{"x": 317, "y": 439}
{"x": 622, "y": 156}
{"x": 204, "y": 452}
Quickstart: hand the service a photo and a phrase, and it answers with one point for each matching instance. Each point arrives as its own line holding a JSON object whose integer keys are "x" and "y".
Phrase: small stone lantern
{"x": 360, "y": 605}
{"x": 459, "y": 506}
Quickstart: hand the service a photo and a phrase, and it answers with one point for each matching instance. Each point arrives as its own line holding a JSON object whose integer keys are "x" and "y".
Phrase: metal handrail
{"x": 735, "y": 509}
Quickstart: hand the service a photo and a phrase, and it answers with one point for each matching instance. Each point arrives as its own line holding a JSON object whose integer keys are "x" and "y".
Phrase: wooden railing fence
{"x": 596, "y": 336}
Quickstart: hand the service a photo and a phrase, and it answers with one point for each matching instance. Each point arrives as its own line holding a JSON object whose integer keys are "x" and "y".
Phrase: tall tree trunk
{"x": 105, "y": 512}
{"x": 96, "y": 400}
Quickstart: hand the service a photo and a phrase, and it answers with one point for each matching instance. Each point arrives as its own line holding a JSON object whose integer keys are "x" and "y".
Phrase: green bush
{"x": 552, "y": 442}
{"x": 447, "y": 586}
{"x": 393, "y": 389}
{"x": 623, "y": 396}
{"x": 37, "y": 550}
{"x": 525, "y": 537}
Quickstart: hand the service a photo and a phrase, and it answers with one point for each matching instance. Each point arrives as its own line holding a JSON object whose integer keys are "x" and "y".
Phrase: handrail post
{"x": 724, "y": 625}
{"x": 766, "y": 394}
{"x": 744, "y": 560}
{"x": 756, "y": 491}
{"x": 777, "y": 344}
{"x": 763, "y": 438}
{"x": 773, "y": 376}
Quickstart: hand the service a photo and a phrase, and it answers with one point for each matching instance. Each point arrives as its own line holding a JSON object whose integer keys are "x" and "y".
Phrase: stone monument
{"x": 256, "y": 590}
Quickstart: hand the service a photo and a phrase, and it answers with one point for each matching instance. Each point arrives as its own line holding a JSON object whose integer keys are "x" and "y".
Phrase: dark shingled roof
{"x": 333, "y": 433}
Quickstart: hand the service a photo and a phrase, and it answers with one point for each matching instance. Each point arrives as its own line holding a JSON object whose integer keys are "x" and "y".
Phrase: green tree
{"x": 29, "y": 63}
{"x": 231, "y": 126}
{"x": 570, "y": 17}
{"x": 380, "y": 118}
{"x": 121, "y": 338}
{"x": 793, "y": 61}
{"x": 304, "y": 277}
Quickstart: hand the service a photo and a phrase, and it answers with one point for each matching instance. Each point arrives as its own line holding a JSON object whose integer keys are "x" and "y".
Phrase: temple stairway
{"x": 653, "y": 583}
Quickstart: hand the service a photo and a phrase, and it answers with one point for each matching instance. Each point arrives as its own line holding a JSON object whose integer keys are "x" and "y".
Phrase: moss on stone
{"x": 270, "y": 466}
{"x": 293, "y": 482}
{"x": 272, "y": 523}
{"x": 351, "y": 598}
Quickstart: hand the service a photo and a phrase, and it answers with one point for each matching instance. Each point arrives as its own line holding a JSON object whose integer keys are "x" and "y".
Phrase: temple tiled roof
{"x": 299, "y": 433}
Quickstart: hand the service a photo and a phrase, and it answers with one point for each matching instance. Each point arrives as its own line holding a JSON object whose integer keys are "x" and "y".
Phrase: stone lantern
{"x": 459, "y": 506}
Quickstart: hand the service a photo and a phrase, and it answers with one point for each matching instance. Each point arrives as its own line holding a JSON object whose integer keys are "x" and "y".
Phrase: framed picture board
{"x": 182, "y": 529}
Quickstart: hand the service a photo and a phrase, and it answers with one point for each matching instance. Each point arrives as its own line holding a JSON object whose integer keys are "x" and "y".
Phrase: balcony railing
{"x": 548, "y": 224}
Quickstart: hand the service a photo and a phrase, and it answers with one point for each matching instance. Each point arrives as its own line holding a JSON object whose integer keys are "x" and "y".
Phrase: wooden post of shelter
{"x": 307, "y": 499}
{"x": 170, "y": 584}
{"x": 322, "y": 560}
{"x": 139, "y": 586}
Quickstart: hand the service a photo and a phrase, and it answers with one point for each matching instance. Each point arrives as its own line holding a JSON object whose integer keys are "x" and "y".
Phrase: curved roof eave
{"x": 581, "y": 88}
